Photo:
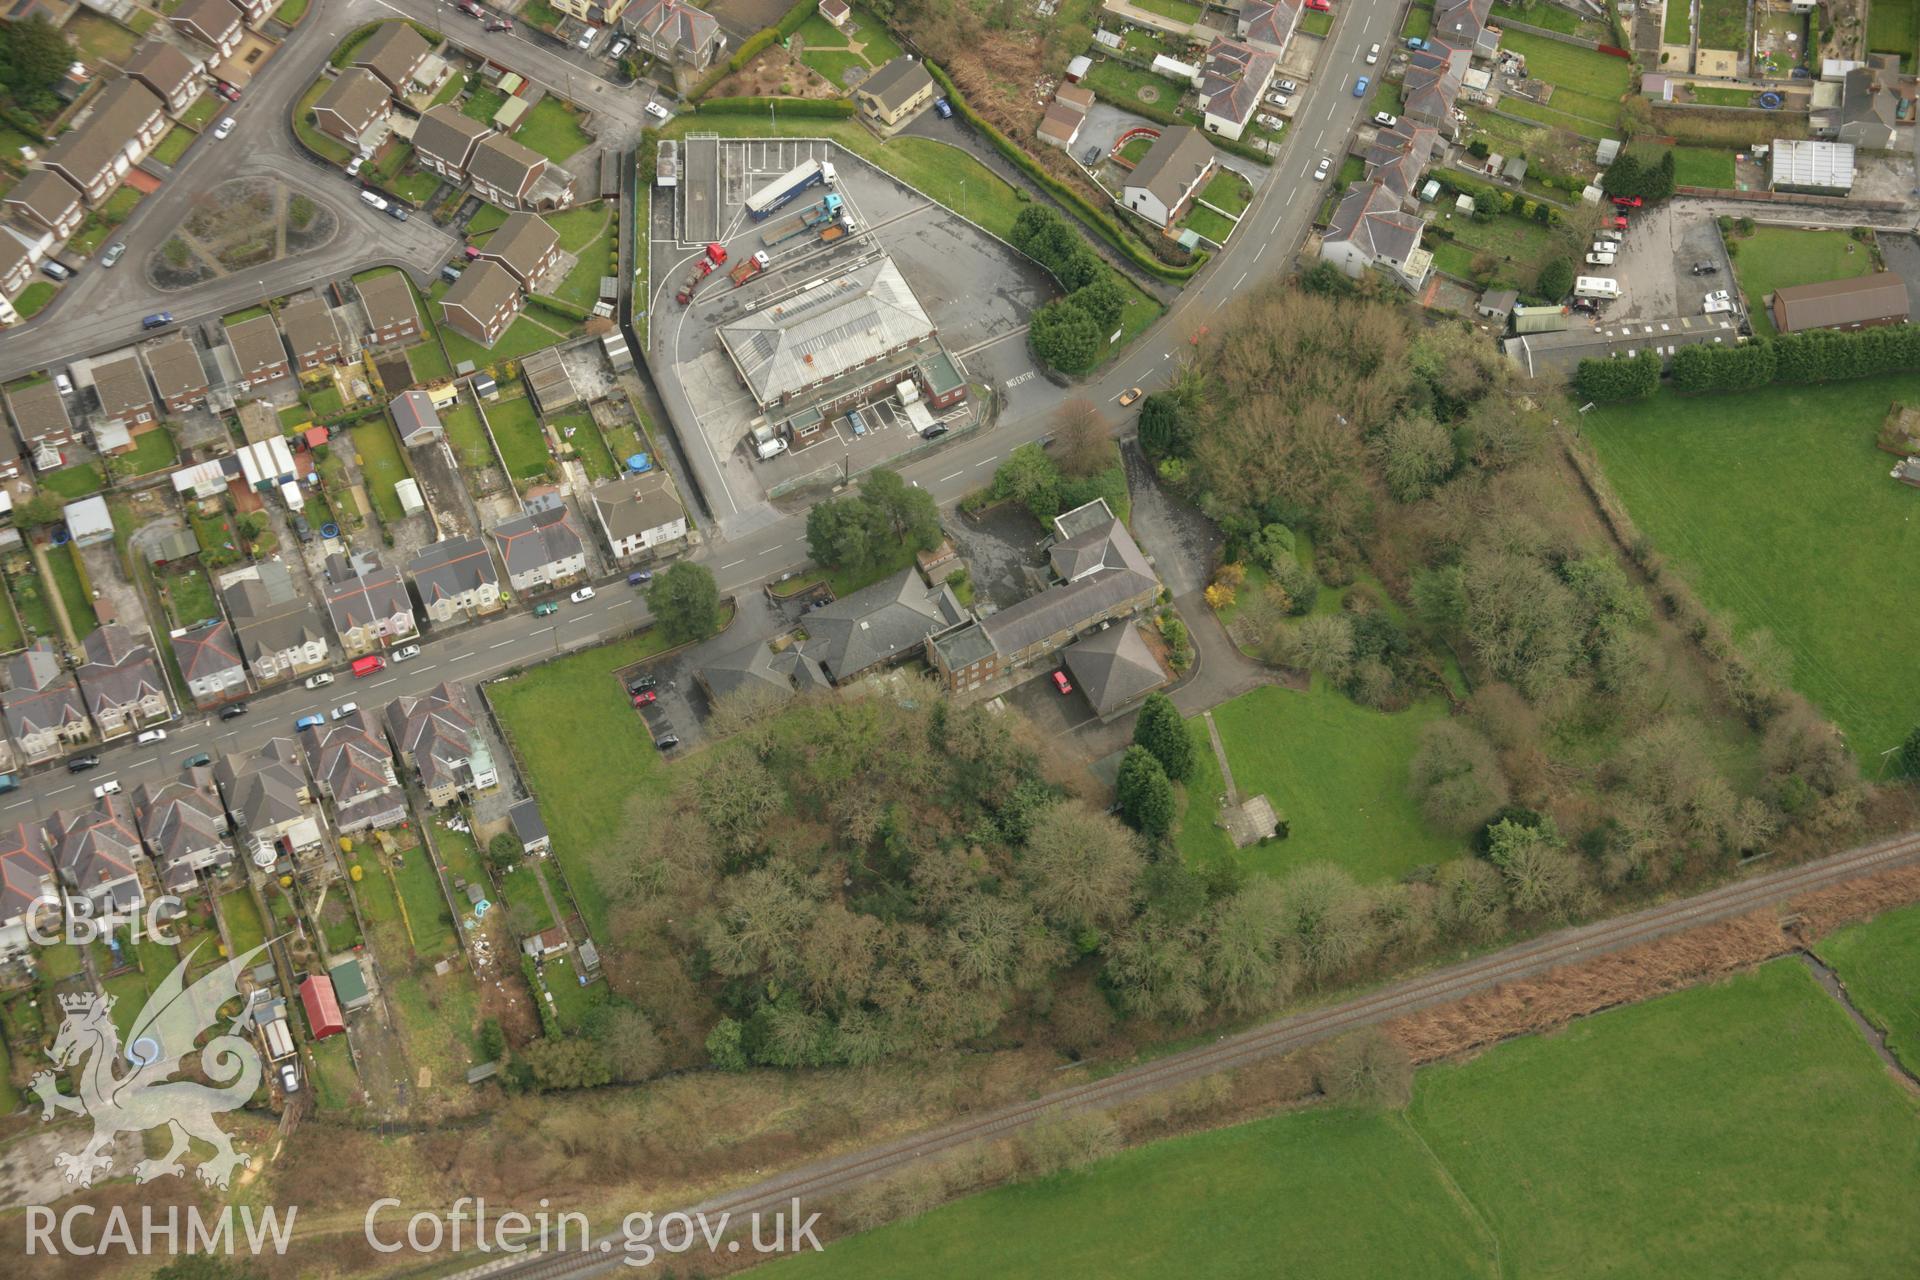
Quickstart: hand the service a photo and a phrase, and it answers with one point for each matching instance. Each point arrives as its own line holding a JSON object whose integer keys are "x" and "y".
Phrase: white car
{"x": 1278, "y": 100}
{"x": 1599, "y": 259}
{"x": 1613, "y": 237}
{"x": 318, "y": 681}
{"x": 1373, "y": 55}
{"x": 587, "y": 38}
{"x": 63, "y": 383}
{"x": 658, "y": 112}
{"x": 1720, "y": 295}
{"x": 374, "y": 200}
{"x": 1386, "y": 121}
{"x": 1274, "y": 123}
{"x": 289, "y": 1078}
{"x": 582, "y": 595}
{"x": 353, "y": 166}
{"x": 111, "y": 787}
{"x": 407, "y": 654}
{"x": 150, "y": 737}
{"x": 224, "y": 128}
{"x": 345, "y": 709}
{"x": 1326, "y": 166}
{"x": 1603, "y": 246}
{"x": 1287, "y": 86}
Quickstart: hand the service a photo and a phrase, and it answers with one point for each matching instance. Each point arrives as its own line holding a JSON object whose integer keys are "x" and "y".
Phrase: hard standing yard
{"x": 1777, "y": 508}
{"x": 1730, "y": 1131}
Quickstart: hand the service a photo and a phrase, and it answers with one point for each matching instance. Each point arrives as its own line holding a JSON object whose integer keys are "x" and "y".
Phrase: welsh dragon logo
{"x": 130, "y": 1091}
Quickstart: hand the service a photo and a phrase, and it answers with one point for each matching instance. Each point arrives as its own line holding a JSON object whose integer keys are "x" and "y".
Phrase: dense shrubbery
{"x": 1071, "y": 333}
{"x": 1632, "y": 378}
{"x": 823, "y": 108}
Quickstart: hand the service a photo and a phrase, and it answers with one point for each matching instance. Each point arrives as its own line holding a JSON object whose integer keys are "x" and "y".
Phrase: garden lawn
{"x": 102, "y": 222}
{"x": 310, "y": 137}
{"x": 438, "y": 1015}
{"x": 1597, "y": 80}
{"x": 1739, "y": 1129}
{"x": 34, "y": 298}
{"x": 174, "y": 145}
{"x": 516, "y": 429}
{"x": 520, "y": 888}
{"x": 581, "y": 226}
{"x": 1703, "y": 167}
{"x": 834, "y": 64}
{"x": 875, "y": 40}
{"x": 1209, "y": 224}
{"x": 1335, "y": 771}
{"x": 1711, "y": 97}
{"x": 547, "y": 713}
{"x": 469, "y": 437}
{"x": 1788, "y": 478}
{"x": 381, "y": 465}
{"x": 553, "y": 129}
{"x": 1877, "y": 961}
{"x": 428, "y": 362}
{"x": 1893, "y": 26}
{"x": 66, "y": 576}
{"x": 242, "y": 918}
{"x": 1554, "y": 18}
{"x": 427, "y": 913}
{"x": 588, "y": 443}
{"x": 75, "y": 481}
{"x": 1775, "y": 257}
{"x": 1293, "y": 1195}
{"x": 189, "y": 597}
{"x": 1123, "y": 84}
{"x": 100, "y": 38}
{"x": 596, "y": 259}
{"x": 30, "y": 605}
{"x": 1723, "y": 24}
{"x": 1517, "y": 247}
{"x": 1419, "y": 21}
{"x": 523, "y": 337}
{"x": 1317, "y": 23}
{"x": 1178, "y": 10}
{"x": 1678, "y": 28}
{"x": 482, "y": 103}
{"x": 152, "y": 450}
{"x": 291, "y": 11}
{"x": 11, "y": 636}
{"x": 205, "y": 108}
{"x": 1228, "y": 192}
{"x": 331, "y": 1074}
{"x": 572, "y": 999}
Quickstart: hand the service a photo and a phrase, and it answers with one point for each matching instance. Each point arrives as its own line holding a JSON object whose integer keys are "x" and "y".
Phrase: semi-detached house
{"x": 482, "y": 302}
{"x": 541, "y": 548}
{"x": 280, "y": 634}
{"x": 210, "y": 662}
{"x": 676, "y": 33}
{"x": 503, "y": 172}
{"x": 354, "y": 109}
{"x": 396, "y": 54}
{"x": 257, "y": 350}
{"x": 26, "y": 880}
{"x": 41, "y": 416}
{"x": 392, "y": 315}
{"x": 214, "y": 23}
{"x": 640, "y": 514}
{"x": 169, "y": 72}
{"x": 456, "y": 580}
{"x": 177, "y": 373}
{"x": 121, "y": 681}
{"x": 352, "y": 766}
{"x": 268, "y": 796}
{"x": 308, "y": 325}
{"x": 185, "y": 830}
{"x": 526, "y": 246}
{"x": 96, "y": 154}
{"x": 444, "y": 141}
{"x": 48, "y": 201}
{"x": 367, "y": 601}
{"x": 1231, "y": 80}
{"x": 97, "y": 852}
{"x": 435, "y": 736}
{"x": 126, "y": 403}
{"x": 46, "y": 716}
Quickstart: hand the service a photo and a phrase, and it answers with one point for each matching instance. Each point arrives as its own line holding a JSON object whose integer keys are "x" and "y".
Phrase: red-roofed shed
{"x": 323, "y": 1009}
{"x": 317, "y": 436}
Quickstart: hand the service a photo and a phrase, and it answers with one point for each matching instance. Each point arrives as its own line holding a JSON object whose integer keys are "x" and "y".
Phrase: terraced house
{"x": 46, "y": 716}
{"x": 26, "y": 880}
{"x": 355, "y": 109}
{"x": 456, "y": 581}
{"x": 214, "y": 23}
{"x": 444, "y": 141}
{"x": 210, "y": 662}
{"x": 96, "y": 852}
{"x": 367, "y": 601}
{"x": 392, "y": 315}
{"x": 1433, "y": 80}
{"x": 121, "y": 681}
{"x": 435, "y": 736}
{"x": 257, "y": 350}
{"x": 169, "y": 72}
{"x": 177, "y": 373}
{"x": 503, "y": 172}
{"x": 45, "y": 200}
{"x": 97, "y": 153}
{"x": 352, "y": 767}
{"x": 1268, "y": 24}
{"x": 185, "y": 829}
{"x": 308, "y": 325}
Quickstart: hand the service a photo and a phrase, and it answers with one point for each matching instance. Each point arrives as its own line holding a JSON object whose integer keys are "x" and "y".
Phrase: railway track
{"x": 1469, "y": 977}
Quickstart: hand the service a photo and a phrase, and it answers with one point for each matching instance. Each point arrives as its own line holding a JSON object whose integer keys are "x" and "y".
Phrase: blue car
{"x": 158, "y": 320}
{"x": 309, "y": 722}
{"x": 944, "y": 107}
{"x": 1360, "y": 87}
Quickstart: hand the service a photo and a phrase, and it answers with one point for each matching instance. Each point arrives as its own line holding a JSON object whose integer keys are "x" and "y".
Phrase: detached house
{"x": 258, "y": 350}
{"x": 435, "y": 736}
{"x": 46, "y": 716}
{"x": 97, "y": 853}
{"x": 456, "y": 580}
{"x": 894, "y": 94}
{"x": 41, "y": 415}
{"x": 355, "y": 110}
{"x": 1370, "y": 229}
{"x": 1231, "y": 81}
{"x": 368, "y": 602}
{"x": 122, "y": 682}
{"x": 392, "y": 315}
{"x": 352, "y": 767}
{"x": 503, "y": 172}
{"x": 640, "y": 514}
{"x": 686, "y": 38}
{"x": 279, "y": 633}
{"x": 444, "y": 141}
{"x": 185, "y": 829}
{"x": 397, "y": 54}
{"x": 210, "y": 663}
{"x": 482, "y": 302}
{"x": 1268, "y": 24}
{"x": 215, "y": 23}
{"x": 26, "y": 879}
{"x": 879, "y": 626}
{"x": 309, "y": 328}
{"x": 169, "y": 72}
{"x": 177, "y": 373}
{"x": 526, "y": 246}
{"x": 125, "y": 123}
{"x": 1173, "y": 171}
{"x": 48, "y": 201}
{"x": 268, "y": 797}
{"x": 541, "y": 548}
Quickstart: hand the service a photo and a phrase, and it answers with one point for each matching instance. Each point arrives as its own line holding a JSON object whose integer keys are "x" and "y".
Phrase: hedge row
{"x": 550, "y": 303}
{"x": 824, "y": 108}
{"x": 1820, "y": 355}
{"x": 1099, "y": 220}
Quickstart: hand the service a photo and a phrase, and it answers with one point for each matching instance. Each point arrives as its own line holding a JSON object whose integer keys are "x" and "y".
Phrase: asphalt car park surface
{"x": 1655, "y": 264}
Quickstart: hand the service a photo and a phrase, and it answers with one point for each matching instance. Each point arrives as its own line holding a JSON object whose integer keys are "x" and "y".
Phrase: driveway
{"x": 1902, "y": 255}
{"x": 1180, "y": 541}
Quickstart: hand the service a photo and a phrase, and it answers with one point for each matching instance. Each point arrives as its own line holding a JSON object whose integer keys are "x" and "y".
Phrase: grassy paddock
{"x": 1878, "y": 961}
{"x": 1777, "y": 257}
{"x": 1788, "y": 478}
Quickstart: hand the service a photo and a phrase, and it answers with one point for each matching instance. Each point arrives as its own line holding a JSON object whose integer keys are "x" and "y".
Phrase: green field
{"x": 1777, "y": 508}
{"x": 595, "y": 259}
{"x": 1419, "y": 21}
{"x": 516, "y": 429}
{"x": 1776, "y": 257}
{"x": 1730, "y": 1131}
{"x": 1514, "y": 246}
{"x": 1878, "y": 961}
{"x": 382, "y": 465}
{"x": 189, "y": 597}
{"x": 547, "y": 713}
{"x": 1334, "y": 770}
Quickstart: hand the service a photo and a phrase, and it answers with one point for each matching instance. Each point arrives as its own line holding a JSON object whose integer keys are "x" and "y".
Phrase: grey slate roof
{"x": 41, "y": 694}
{"x": 388, "y": 298}
{"x": 436, "y": 730}
{"x": 636, "y": 504}
{"x": 414, "y": 416}
{"x": 1173, "y": 164}
{"x": 206, "y": 651}
{"x": 88, "y": 150}
{"x": 356, "y": 96}
{"x": 538, "y": 538}
{"x": 180, "y": 822}
{"x": 895, "y": 83}
{"x": 756, "y": 666}
{"x": 451, "y": 568}
{"x": 1114, "y": 667}
{"x": 263, "y": 790}
{"x": 122, "y": 387}
{"x": 46, "y": 194}
{"x": 1370, "y": 216}
{"x": 176, "y": 368}
{"x": 501, "y": 162}
{"x": 879, "y": 623}
{"x": 362, "y": 590}
{"x": 269, "y": 614}
{"x": 95, "y": 846}
{"x": 25, "y": 872}
{"x": 528, "y": 825}
{"x": 448, "y": 135}
{"x": 520, "y": 243}
{"x": 120, "y": 668}
{"x": 393, "y": 53}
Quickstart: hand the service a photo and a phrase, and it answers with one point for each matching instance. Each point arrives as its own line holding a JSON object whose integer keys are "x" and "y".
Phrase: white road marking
{"x": 730, "y": 564}
{"x": 1242, "y": 280}
{"x": 377, "y": 683}
{"x": 60, "y": 791}
{"x": 944, "y": 479}
{"x": 989, "y": 462}
{"x": 503, "y": 644}
{"x": 461, "y": 657}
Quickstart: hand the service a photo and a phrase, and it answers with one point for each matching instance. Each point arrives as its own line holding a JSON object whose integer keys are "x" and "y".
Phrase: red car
{"x": 227, "y": 91}
{"x": 1060, "y": 682}
{"x": 645, "y": 697}
{"x": 1619, "y": 222}
{"x": 472, "y": 9}
{"x": 1627, "y": 202}
{"x": 1319, "y": 6}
